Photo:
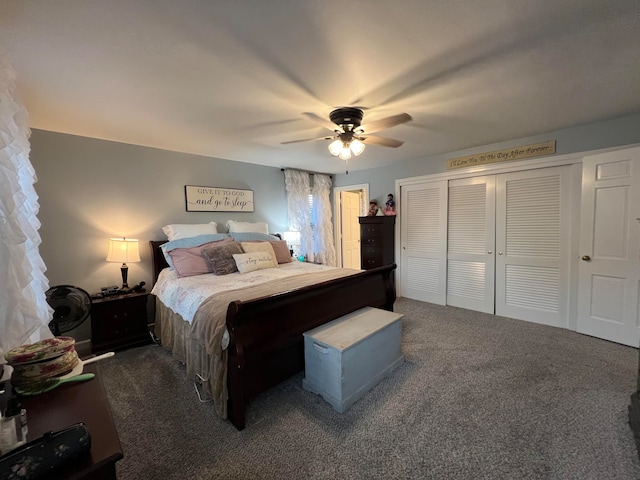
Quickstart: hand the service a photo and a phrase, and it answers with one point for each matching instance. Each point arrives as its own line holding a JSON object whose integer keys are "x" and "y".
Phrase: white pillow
{"x": 248, "y": 262}
{"x": 260, "y": 227}
{"x": 176, "y": 231}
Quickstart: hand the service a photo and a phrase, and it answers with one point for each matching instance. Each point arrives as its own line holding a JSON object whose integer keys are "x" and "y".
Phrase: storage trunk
{"x": 348, "y": 356}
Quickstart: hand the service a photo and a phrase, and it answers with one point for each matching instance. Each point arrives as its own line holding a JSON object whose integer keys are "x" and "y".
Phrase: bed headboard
{"x": 159, "y": 262}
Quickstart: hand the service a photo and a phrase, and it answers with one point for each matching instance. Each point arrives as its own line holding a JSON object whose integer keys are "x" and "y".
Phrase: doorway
{"x": 349, "y": 202}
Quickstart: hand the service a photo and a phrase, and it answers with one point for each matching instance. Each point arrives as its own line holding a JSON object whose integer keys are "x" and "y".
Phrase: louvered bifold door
{"x": 532, "y": 245}
{"x": 470, "y": 243}
{"x": 423, "y": 252}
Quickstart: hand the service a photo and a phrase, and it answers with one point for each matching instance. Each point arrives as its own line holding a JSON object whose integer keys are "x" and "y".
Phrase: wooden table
{"x": 72, "y": 403}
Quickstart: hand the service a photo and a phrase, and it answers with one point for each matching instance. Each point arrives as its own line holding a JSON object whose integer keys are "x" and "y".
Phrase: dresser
{"x": 72, "y": 403}
{"x": 376, "y": 241}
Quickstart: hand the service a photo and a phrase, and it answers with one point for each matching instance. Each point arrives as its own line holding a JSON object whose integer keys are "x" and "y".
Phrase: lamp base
{"x": 125, "y": 271}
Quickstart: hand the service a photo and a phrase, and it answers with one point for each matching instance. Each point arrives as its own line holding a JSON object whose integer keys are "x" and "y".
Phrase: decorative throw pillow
{"x": 175, "y": 231}
{"x": 260, "y": 227}
{"x": 190, "y": 242}
{"x": 250, "y": 247}
{"x": 280, "y": 249}
{"x": 221, "y": 257}
{"x": 283, "y": 255}
{"x": 189, "y": 261}
{"x": 248, "y": 262}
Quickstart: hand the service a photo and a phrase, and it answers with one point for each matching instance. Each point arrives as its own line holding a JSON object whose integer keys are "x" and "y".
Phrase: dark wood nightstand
{"x": 119, "y": 322}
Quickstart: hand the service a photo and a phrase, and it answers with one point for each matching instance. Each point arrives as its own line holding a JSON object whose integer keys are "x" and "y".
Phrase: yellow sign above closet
{"x": 515, "y": 153}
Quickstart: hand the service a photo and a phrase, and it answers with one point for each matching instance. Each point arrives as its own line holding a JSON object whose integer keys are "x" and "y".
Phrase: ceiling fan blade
{"x": 386, "y": 122}
{"x": 306, "y": 140}
{"x": 381, "y": 141}
{"x": 322, "y": 121}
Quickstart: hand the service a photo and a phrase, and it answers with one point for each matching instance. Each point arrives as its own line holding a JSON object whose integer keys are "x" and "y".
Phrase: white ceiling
{"x": 230, "y": 78}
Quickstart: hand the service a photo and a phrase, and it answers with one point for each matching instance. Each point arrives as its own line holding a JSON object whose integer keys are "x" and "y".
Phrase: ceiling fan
{"x": 350, "y": 136}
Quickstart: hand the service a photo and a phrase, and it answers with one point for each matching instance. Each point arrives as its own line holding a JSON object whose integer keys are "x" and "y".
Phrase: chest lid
{"x": 353, "y": 328}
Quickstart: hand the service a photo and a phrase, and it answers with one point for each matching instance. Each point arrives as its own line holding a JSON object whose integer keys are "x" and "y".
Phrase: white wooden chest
{"x": 348, "y": 356}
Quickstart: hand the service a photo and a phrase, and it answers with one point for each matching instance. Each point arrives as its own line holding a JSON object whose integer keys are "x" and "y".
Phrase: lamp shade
{"x": 335, "y": 147}
{"x": 292, "y": 238}
{"x": 357, "y": 147}
{"x": 123, "y": 250}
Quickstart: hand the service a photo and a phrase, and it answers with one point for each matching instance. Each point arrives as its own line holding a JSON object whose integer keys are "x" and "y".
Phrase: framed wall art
{"x": 217, "y": 199}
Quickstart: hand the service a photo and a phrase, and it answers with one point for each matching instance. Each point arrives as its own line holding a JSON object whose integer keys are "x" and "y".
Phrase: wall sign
{"x": 516, "y": 153}
{"x": 217, "y": 199}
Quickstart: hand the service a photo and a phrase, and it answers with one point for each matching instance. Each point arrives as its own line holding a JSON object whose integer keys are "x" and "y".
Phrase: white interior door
{"x": 533, "y": 211}
{"x": 350, "y": 205}
{"x": 423, "y": 224}
{"x": 470, "y": 243}
{"x": 609, "y": 272}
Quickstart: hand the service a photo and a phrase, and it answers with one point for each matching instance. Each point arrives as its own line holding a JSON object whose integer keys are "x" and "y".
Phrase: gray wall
{"x": 91, "y": 190}
{"x": 612, "y": 133}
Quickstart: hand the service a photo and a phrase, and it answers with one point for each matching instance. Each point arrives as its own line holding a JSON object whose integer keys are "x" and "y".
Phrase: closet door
{"x": 609, "y": 272}
{"x": 470, "y": 243}
{"x": 532, "y": 241}
{"x": 423, "y": 220}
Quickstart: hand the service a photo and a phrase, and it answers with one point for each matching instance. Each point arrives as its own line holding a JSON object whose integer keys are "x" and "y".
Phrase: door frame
{"x": 337, "y": 214}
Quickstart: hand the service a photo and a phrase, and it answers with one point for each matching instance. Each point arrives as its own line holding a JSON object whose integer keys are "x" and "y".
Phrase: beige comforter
{"x": 206, "y": 331}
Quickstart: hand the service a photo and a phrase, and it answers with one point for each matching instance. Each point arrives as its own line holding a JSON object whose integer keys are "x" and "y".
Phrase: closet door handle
{"x": 499, "y": 253}
{"x": 586, "y": 258}
{"x": 489, "y": 252}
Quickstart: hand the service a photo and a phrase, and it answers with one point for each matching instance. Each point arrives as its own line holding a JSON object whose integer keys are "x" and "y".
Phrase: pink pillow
{"x": 283, "y": 255}
{"x": 189, "y": 261}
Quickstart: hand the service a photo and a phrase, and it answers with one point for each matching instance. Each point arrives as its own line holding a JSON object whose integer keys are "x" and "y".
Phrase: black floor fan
{"x": 71, "y": 307}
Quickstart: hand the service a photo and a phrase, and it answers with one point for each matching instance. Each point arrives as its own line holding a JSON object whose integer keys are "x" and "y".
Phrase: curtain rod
{"x": 310, "y": 173}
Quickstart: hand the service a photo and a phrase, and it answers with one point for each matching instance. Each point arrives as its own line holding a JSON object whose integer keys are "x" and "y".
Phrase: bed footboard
{"x": 266, "y": 342}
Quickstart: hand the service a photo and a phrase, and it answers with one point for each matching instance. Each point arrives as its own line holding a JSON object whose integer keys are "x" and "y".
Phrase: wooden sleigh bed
{"x": 265, "y": 334}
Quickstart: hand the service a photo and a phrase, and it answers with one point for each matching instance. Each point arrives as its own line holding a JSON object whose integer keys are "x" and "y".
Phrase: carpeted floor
{"x": 479, "y": 397}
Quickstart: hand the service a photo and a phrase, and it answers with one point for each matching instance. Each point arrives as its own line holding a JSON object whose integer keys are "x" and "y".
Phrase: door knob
{"x": 586, "y": 258}
{"x": 489, "y": 252}
{"x": 499, "y": 253}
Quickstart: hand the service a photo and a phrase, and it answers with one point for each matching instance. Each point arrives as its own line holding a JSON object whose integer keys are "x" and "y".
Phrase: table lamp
{"x": 123, "y": 250}
{"x": 293, "y": 240}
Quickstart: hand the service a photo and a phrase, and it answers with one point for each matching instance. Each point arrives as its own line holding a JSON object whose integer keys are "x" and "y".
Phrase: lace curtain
{"x": 298, "y": 189}
{"x": 323, "y": 247}
{"x": 24, "y": 312}
{"x": 317, "y": 241}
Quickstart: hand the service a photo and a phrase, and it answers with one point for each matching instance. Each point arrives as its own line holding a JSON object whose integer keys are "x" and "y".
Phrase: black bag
{"x": 40, "y": 458}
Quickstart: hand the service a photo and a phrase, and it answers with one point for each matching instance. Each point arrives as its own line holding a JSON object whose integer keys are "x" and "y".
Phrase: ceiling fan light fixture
{"x": 345, "y": 153}
{"x": 335, "y": 147}
{"x": 357, "y": 147}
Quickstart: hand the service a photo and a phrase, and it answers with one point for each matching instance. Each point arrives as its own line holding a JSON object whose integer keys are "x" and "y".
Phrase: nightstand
{"x": 119, "y": 322}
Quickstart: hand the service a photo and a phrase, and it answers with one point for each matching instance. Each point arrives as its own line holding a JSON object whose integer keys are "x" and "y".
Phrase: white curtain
{"x": 316, "y": 234}
{"x": 299, "y": 211}
{"x": 323, "y": 247}
{"x": 24, "y": 312}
